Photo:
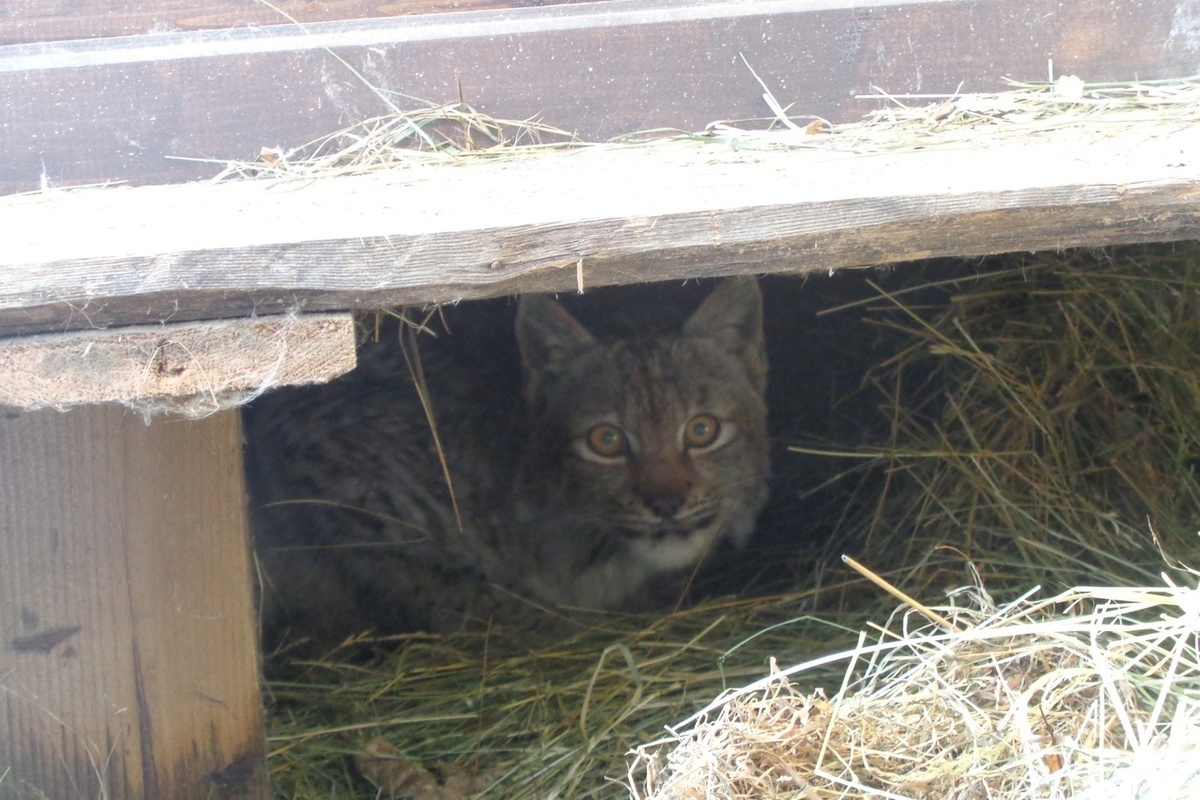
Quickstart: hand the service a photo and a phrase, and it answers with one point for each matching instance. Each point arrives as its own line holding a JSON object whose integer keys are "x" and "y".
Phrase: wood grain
{"x": 443, "y": 232}
{"x": 193, "y": 369}
{"x": 124, "y": 559}
{"x": 57, "y": 20}
{"x": 129, "y": 108}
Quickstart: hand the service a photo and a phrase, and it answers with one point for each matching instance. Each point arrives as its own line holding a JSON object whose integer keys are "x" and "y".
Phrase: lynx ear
{"x": 732, "y": 316}
{"x": 547, "y": 335}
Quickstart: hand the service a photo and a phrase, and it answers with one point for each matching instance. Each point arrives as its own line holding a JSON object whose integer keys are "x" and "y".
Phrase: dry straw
{"x": 1029, "y": 108}
{"x": 521, "y": 714}
{"x": 432, "y": 134}
{"x": 1041, "y": 415}
{"x": 458, "y": 132}
{"x": 1092, "y": 694}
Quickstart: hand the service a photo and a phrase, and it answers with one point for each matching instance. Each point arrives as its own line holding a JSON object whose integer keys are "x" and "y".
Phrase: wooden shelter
{"x": 128, "y": 664}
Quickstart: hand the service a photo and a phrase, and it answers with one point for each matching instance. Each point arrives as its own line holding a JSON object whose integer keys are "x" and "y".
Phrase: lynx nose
{"x": 664, "y": 505}
{"x": 663, "y": 488}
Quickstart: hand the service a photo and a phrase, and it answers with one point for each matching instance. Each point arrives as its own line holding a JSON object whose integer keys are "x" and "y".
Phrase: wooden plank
{"x": 127, "y": 640}
{"x": 52, "y": 21}
{"x": 442, "y": 232}
{"x": 123, "y": 109}
{"x": 192, "y": 368}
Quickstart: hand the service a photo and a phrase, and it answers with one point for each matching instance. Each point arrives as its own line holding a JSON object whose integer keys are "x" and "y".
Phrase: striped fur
{"x": 621, "y": 462}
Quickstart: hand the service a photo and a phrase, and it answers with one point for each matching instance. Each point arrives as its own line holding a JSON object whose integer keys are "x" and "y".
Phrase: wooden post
{"x": 128, "y": 662}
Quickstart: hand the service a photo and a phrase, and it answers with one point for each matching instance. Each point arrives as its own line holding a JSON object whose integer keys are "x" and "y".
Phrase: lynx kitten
{"x": 624, "y": 460}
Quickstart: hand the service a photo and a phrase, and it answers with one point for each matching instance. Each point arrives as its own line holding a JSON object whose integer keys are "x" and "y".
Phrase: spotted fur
{"x": 621, "y": 462}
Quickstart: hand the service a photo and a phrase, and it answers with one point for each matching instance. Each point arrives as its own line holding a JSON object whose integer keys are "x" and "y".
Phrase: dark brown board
{"x": 122, "y": 109}
{"x": 59, "y": 20}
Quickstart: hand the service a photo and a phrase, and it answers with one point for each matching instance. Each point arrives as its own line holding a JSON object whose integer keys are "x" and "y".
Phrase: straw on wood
{"x": 444, "y": 133}
{"x": 453, "y": 132}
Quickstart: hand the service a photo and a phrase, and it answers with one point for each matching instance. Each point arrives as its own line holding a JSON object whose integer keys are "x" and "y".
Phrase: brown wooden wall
{"x": 80, "y": 110}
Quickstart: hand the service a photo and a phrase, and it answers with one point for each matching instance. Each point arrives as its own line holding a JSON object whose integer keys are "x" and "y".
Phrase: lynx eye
{"x": 607, "y": 440}
{"x": 701, "y": 431}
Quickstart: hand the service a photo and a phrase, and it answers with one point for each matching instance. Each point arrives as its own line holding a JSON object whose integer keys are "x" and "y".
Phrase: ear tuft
{"x": 547, "y": 335}
{"x": 732, "y": 316}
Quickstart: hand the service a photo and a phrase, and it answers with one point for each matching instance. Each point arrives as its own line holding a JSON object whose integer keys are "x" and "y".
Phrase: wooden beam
{"x": 613, "y": 214}
{"x": 191, "y": 368}
{"x": 94, "y": 19}
{"x": 127, "y": 631}
{"x": 128, "y": 108}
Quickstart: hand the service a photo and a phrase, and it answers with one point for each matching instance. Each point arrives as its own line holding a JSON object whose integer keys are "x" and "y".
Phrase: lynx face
{"x": 652, "y": 448}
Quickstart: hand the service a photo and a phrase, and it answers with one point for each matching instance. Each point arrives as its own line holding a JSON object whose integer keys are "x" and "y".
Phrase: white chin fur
{"x": 675, "y": 552}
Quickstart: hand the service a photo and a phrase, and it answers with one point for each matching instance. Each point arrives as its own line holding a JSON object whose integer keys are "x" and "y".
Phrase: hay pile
{"x": 517, "y": 714}
{"x": 1092, "y": 694}
{"x": 1044, "y": 418}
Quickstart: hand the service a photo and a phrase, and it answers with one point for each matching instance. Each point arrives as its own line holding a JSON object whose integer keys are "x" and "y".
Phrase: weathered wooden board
{"x": 127, "y": 633}
{"x": 123, "y": 108}
{"x": 442, "y": 232}
{"x": 58, "y": 20}
{"x": 190, "y": 368}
